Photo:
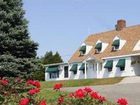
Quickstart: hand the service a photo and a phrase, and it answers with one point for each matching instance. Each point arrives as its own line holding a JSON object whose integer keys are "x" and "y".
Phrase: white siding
{"x": 115, "y": 70}
{"x": 61, "y": 74}
{"x": 97, "y": 70}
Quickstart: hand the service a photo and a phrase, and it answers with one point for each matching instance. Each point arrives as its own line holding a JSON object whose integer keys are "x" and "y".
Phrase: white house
{"x": 113, "y": 53}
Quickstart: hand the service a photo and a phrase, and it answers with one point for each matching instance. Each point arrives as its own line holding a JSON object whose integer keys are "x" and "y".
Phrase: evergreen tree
{"x": 51, "y": 58}
{"x": 17, "y": 50}
{"x": 57, "y": 58}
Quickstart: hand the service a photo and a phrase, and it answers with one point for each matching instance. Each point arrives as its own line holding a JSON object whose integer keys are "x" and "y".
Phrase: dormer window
{"x": 98, "y": 48}
{"x": 82, "y": 50}
{"x": 115, "y": 45}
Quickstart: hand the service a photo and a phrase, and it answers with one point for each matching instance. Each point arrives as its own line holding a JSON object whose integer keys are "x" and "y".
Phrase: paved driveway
{"x": 131, "y": 91}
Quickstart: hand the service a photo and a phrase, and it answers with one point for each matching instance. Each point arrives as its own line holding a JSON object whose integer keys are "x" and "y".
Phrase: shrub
{"x": 11, "y": 92}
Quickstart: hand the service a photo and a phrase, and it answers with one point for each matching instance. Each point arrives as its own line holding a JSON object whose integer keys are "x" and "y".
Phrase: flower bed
{"x": 11, "y": 92}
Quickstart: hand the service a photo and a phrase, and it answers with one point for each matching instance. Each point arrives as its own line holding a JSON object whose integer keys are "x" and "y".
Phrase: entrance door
{"x": 66, "y": 73}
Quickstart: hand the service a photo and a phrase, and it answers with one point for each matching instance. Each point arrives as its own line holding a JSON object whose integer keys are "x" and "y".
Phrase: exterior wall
{"x": 61, "y": 74}
{"x": 96, "y": 70}
{"x": 136, "y": 65}
{"x": 91, "y": 70}
{"x": 116, "y": 70}
{"x": 79, "y": 75}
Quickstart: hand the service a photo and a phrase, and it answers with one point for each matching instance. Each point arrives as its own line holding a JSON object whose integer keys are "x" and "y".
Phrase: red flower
{"x": 24, "y": 101}
{"x": 57, "y": 86}
{"x": 29, "y": 82}
{"x": 101, "y": 98}
{"x": 122, "y": 101}
{"x": 88, "y": 89}
{"x": 94, "y": 95}
{"x": 60, "y": 100}
{"x": 71, "y": 94}
{"x": 80, "y": 94}
{"x": 43, "y": 102}
{"x": 37, "y": 84}
{"x": 34, "y": 83}
{"x": 33, "y": 91}
{"x": 4, "y": 82}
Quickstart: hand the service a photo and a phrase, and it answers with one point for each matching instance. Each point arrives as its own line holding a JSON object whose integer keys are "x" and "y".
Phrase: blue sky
{"x": 62, "y": 25}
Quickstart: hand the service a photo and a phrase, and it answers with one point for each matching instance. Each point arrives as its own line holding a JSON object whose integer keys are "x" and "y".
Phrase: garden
{"x": 17, "y": 91}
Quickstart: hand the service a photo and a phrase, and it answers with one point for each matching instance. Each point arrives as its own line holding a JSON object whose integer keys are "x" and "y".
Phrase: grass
{"x": 82, "y": 82}
{"x": 51, "y": 95}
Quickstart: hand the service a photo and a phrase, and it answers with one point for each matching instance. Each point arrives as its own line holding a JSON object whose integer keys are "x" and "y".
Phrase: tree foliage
{"x": 17, "y": 50}
{"x": 51, "y": 58}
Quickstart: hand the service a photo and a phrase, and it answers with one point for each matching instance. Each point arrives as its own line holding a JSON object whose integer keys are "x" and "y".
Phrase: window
{"x": 122, "y": 68}
{"x": 74, "y": 68}
{"x": 109, "y": 69}
{"x": 53, "y": 71}
{"x": 54, "y": 75}
{"x": 115, "y": 45}
{"x": 82, "y": 68}
{"x": 98, "y": 48}
{"x": 82, "y": 50}
{"x": 109, "y": 65}
{"x": 121, "y": 64}
{"x": 74, "y": 72}
{"x": 66, "y": 72}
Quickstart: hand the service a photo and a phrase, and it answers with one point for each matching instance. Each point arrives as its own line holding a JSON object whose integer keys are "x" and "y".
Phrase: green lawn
{"x": 51, "y": 95}
{"x": 82, "y": 82}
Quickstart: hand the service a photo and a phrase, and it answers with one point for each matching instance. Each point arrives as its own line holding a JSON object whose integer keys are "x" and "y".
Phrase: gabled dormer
{"x": 84, "y": 49}
{"x": 137, "y": 46}
{"x": 117, "y": 43}
{"x": 100, "y": 46}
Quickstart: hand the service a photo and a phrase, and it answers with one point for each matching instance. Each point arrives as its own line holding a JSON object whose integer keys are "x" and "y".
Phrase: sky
{"x": 63, "y": 25}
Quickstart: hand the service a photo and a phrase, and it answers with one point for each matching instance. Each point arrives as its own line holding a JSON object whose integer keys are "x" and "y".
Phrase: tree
{"x": 51, "y": 58}
{"x": 57, "y": 58}
{"x": 17, "y": 50}
{"x": 48, "y": 58}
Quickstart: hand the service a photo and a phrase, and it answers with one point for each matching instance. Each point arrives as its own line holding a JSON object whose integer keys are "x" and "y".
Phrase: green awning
{"x": 98, "y": 46}
{"x": 116, "y": 42}
{"x": 109, "y": 64}
{"x": 83, "y": 49}
{"x": 82, "y": 67}
{"x": 52, "y": 69}
{"x": 74, "y": 67}
{"x": 121, "y": 63}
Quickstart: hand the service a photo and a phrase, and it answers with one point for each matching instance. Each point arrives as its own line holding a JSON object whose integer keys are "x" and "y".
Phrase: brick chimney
{"x": 120, "y": 25}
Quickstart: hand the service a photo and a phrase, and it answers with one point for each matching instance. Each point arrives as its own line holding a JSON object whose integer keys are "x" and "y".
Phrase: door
{"x": 66, "y": 73}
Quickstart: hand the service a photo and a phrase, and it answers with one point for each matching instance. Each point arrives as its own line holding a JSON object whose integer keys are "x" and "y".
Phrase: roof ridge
{"x": 100, "y": 33}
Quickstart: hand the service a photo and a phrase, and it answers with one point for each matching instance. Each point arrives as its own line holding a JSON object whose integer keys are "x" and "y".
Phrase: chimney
{"x": 120, "y": 25}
